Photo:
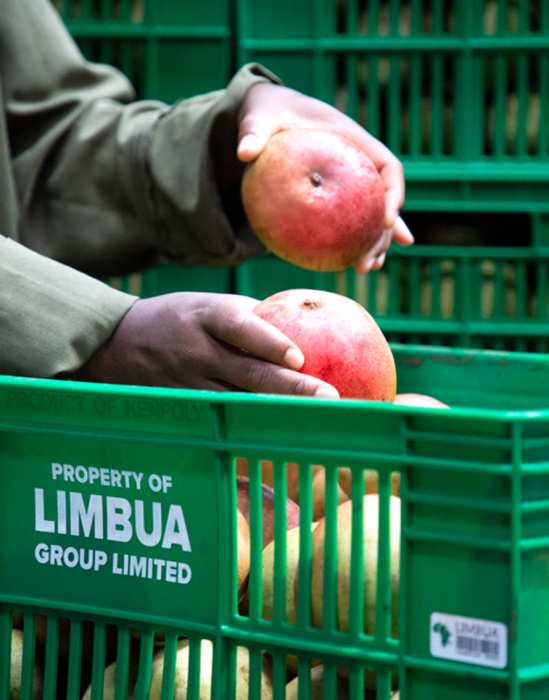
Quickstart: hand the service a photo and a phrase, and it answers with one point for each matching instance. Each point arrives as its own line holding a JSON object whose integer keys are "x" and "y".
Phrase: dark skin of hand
{"x": 201, "y": 341}
{"x": 215, "y": 341}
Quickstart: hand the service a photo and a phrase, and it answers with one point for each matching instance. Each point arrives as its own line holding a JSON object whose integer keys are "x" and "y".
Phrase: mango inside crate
{"x": 119, "y": 578}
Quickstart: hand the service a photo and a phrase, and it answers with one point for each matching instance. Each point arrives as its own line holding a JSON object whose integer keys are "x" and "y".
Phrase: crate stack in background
{"x": 169, "y": 49}
{"x": 459, "y": 91}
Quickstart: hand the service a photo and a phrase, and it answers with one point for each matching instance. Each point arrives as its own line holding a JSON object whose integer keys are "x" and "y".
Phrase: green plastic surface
{"x": 169, "y": 278}
{"x": 474, "y": 538}
{"x": 459, "y": 89}
{"x": 461, "y": 296}
{"x": 169, "y": 50}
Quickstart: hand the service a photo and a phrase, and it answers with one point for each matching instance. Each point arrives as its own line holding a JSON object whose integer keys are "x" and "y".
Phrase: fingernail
{"x": 326, "y": 392}
{"x": 294, "y": 358}
{"x": 405, "y": 228}
{"x": 250, "y": 142}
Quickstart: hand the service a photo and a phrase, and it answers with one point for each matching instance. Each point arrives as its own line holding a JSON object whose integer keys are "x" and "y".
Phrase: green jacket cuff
{"x": 198, "y": 210}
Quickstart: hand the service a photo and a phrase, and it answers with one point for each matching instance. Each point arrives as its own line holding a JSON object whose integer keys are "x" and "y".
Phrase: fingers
{"x": 376, "y": 255}
{"x": 252, "y": 374}
{"x": 375, "y": 258}
{"x": 253, "y": 355}
{"x": 401, "y": 233}
{"x": 252, "y": 138}
{"x": 369, "y": 263}
{"x": 392, "y": 173}
{"x": 239, "y": 327}
{"x": 377, "y": 263}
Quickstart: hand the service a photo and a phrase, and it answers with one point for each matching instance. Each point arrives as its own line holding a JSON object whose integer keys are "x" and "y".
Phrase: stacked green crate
{"x": 169, "y": 50}
{"x": 460, "y": 92}
{"x": 486, "y": 297}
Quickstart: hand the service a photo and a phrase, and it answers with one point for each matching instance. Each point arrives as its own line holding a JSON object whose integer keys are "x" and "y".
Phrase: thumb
{"x": 252, "y": 139}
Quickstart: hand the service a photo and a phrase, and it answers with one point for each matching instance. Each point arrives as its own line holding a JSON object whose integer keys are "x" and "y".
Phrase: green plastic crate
{"x": 460, "y": 296}
{"x": 169, "y": 50}
{"x": 459, "y": 89}
{"x": 474, "y": 531}
{"x": 169, "y": 278}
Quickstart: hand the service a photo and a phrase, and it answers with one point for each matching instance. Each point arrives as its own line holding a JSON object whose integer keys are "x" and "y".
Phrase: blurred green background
{"x": 458, "y": 89}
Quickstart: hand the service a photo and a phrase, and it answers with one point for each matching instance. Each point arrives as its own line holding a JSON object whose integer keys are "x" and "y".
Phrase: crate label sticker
{"x": 469, "y": 640}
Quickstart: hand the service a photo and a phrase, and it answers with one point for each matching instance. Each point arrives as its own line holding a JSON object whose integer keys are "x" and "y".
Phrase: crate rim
{"x": 356, "y": 405}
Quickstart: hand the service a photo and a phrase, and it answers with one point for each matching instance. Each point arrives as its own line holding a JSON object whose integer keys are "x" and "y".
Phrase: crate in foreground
{"x": 120, "y": 539}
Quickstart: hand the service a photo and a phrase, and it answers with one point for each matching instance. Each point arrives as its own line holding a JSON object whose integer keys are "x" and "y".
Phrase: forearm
{"x": 107, "y": 185}
{"x": 198, "y": 206}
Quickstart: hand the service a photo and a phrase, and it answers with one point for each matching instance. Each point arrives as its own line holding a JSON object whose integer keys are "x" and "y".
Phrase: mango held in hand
{"x": 341, "y": 342}
{"x": 315, "y": 199}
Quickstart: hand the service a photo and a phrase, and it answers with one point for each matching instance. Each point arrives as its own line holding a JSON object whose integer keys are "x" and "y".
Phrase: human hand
{"x": 269, "y": 108}
{"x": 201, "y": 341}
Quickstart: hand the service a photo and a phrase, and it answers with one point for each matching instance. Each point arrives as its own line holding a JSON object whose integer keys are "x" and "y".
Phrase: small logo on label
{"x": 444, "y": 632}
{"x": 469, "y": 640}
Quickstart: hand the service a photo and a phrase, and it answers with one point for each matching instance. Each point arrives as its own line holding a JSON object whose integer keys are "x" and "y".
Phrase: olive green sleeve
{"x": 108, "y": 185}
{"x": 198, "y": 209}
{"x": 51, "y": 316}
